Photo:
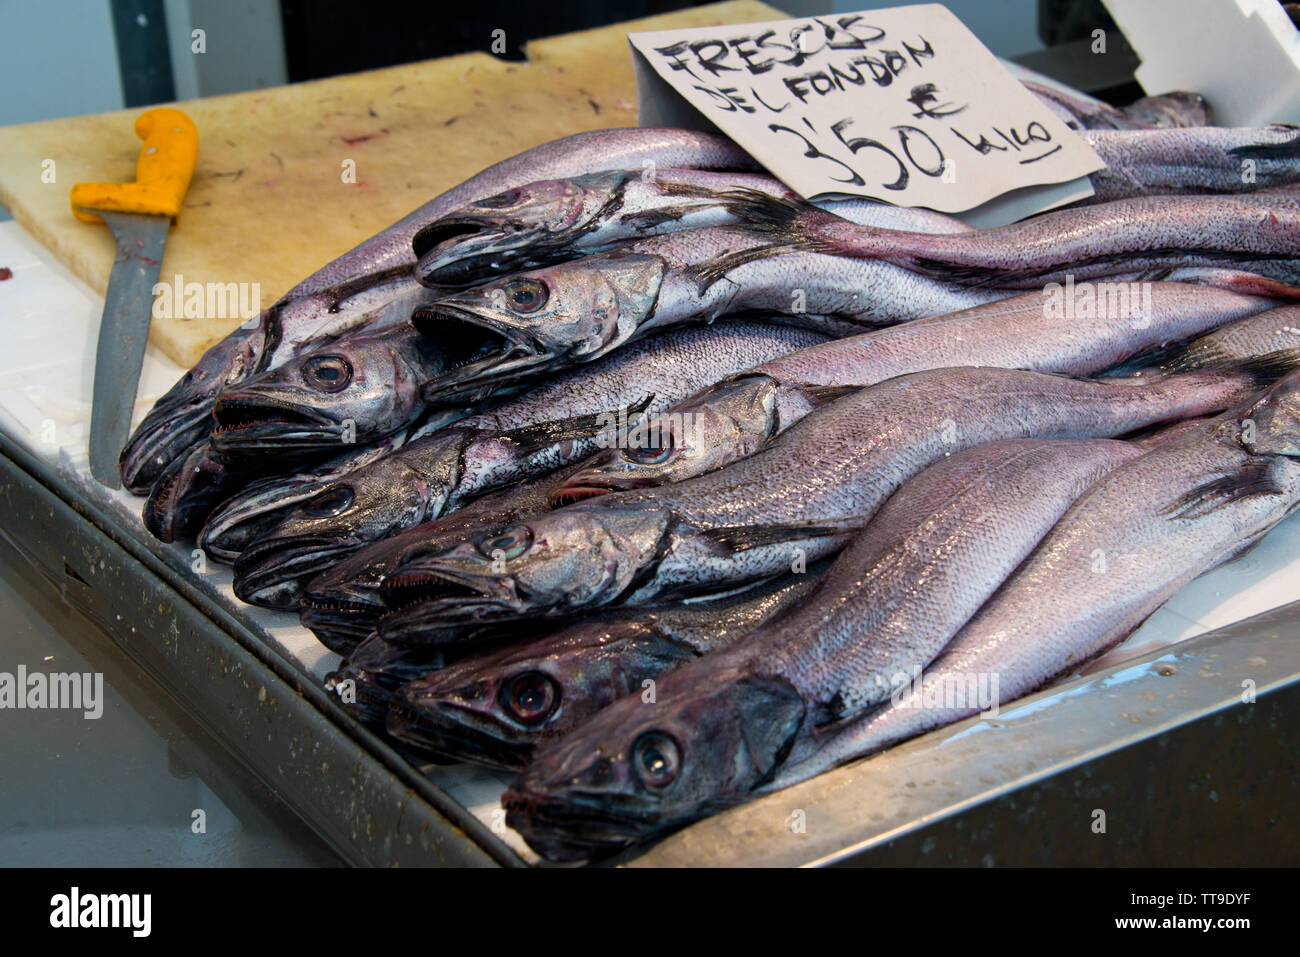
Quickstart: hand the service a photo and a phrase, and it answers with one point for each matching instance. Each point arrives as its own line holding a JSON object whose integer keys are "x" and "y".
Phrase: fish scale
{"x": 1057, "y": 611}
{"x": 835, "y": 468}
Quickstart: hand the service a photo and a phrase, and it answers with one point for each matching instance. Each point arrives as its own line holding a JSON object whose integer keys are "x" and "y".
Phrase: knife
{"x": 139, "y": 215}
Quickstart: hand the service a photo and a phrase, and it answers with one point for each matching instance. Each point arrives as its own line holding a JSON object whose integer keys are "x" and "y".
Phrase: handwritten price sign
{"x": 903, "y": 105}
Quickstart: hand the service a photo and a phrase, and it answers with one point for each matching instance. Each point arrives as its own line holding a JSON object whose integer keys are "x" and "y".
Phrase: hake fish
{"x": 573, "y": 312}
{"x": 496, "y": 708}
{"x": 374, "y": 282}
{"x": 798, "y": 499}
{"x": 1160, "y": 521}
{"x": 556, "y": 220}
{"x": 1103, "y": 325}
{"x": 724, "y": 725}
{"x": 518, "y": 440}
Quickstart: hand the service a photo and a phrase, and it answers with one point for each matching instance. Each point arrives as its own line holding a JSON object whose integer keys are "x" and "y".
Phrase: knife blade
{"x": 139, "y": 214}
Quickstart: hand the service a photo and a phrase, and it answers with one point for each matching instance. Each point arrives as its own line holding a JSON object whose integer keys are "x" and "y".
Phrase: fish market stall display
{"x": 618, "y": 491}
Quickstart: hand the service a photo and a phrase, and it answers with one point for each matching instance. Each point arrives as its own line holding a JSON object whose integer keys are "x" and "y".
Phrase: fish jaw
{"x": 1272, "y": 425}
{"x": 250, "y": 421}
{"x": 182, "y": 498}
{"x": 550, "y": 563}
{"x": 636, "y": 770}
{"x": 274, "y": 574}
{"x": 518, "y": 229}
{"x": 495, "y": 708}
{"x": 182, "y": 417}
{"x": 530, "y": 322}
{"x": 725, "y": 423}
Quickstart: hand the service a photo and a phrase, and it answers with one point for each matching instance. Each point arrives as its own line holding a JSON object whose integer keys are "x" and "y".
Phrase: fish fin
{"x": 765, "y": 211}
{"x": 822, "y": 394}
{"x": 1289, "y": 149}
{"x": 541, "y": 435}
{"x": 1176, "y": 357}
{"x": 739, "y": 538}
{"x": 770, "y": 712}
{"x": 1262, "y": 370}
{"x": 714, "y": 270}
{"x": 1255, "y": 477}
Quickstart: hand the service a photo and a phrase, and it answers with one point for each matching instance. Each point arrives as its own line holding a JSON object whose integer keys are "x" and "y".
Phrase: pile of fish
{"x": 622, "y": 467}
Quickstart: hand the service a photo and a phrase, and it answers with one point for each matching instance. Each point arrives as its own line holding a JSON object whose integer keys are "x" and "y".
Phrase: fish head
{"x": 714, "y": 428}
{"x": 183, "y": 416}
{"x": 639, "y": 768}
{"x": 517, "y": 229}
{"x": 386, "y": 497}
{"x": 350, "y": 391}
{"x": 495, "y": 708}
{"x": 530, "y": 322}
{"x": 549, "y": 563}
{"x": 1272, "y": 425}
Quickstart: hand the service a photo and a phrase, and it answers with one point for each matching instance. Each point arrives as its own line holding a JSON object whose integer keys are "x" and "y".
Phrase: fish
{"x": 1159, "y": 522}
{"x": 725, "y": 724}
{"x": 1193, "y": 161}
{"x": 570, "y": 313}
{"x": 352, "y": 391}
{"x": 1181, "y": 108}
{"x": 374, "y": 282}
{"x": 1269, "y": 331}
{"x": 1083, "y": 112}
{"x": 357, "y": 390}
{"x": 1256, "y": 232}
{"x": 260, "y": 505}
{"x": 496, "y": 708}
{"x": 342, "y": 605}
{"x": 1078, "y": 331}
{"x": 561, "y": 219}
{"x": 798, "y": 499}
{"x": 513, "y": 442}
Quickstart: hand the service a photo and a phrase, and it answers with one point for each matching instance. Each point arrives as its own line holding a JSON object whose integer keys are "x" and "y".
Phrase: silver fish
{"x": 1209, "y": 159}
{"x": 1258, "y": 232}
{"x": 559, "y": 422}
{"x": 1162, "y": 520}
{"x": 1072, "y": 330}
{"x": 798, "y": 499}
{"x": 560, "y": 219}
{"x": 374, "y": 281}
{"x": 495, "y": 708}
{"x": 889, "y": 603}
{"x": 573, "y": 312}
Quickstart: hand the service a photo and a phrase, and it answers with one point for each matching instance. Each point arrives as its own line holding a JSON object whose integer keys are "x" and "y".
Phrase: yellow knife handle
{"x": 162, "y": 173}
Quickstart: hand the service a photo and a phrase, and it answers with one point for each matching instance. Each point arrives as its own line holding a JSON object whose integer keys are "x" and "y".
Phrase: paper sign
{"x": 903, "y": 105}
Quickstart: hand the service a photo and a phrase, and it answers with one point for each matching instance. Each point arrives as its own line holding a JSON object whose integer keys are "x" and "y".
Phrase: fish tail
{"x": 765, "y": 211}
{"x": 1260, "y": 371}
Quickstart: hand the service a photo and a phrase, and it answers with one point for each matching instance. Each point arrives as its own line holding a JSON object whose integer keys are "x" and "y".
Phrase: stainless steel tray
{"x": 1183, "y": 768}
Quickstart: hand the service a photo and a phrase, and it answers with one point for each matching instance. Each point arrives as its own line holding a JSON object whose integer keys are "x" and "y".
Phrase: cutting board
{"x": 269, "y": 203}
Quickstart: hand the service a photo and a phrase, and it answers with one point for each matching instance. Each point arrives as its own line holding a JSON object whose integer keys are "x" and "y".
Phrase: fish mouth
{"x": 340, "y": 625}
{"x": 439, "y": 728}
{"x": 438, "y": 606}
{"x": 475, "y": 349}
{"x": 275, "y": 573}
{"x": 463, "y": 253}
{"x": 165, "y": 435}
{"x": 241, "y": 521}
{"x": 571, "y": 829}
{"x": 581, "y": 487}
{"x": 371, "y": 696}
{"x": 442, "y": 231}
{"x": 249, "y": 422}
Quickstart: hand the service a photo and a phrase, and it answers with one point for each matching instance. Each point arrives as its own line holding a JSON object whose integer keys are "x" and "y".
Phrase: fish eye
{"x": 511, "y": 543}
{"x": 655, "y": 449}
{"x": 656, "y": 758}
{"x": 530, "y": 698}
{"x": 327, "y": 373}
{"x": 525, "y": 295}
{"x": 500, "y": 200}
{"x": 330, "y": 502}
